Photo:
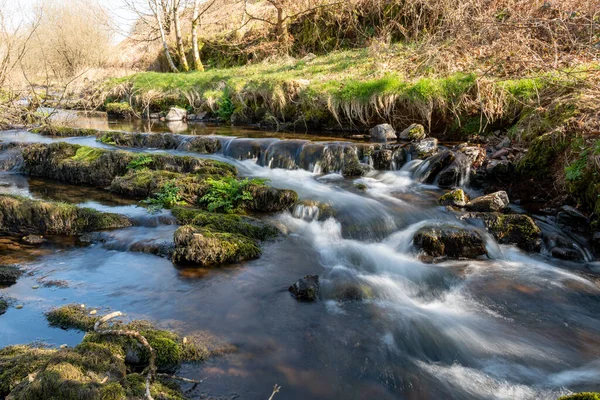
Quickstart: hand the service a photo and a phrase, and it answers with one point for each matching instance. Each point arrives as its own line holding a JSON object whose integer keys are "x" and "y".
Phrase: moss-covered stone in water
{"x": 517, "y": 229}
{"x": 20, "y": 215}
{"x": 456, "y": 198}
{"x": 230, "y": 223}
{"x": 9, "y": 274}
{"x": 450, "y": 241}
{"x": 582, "y": 396}
{"x": 135, "y": 387}
{"x": 16, "y": 362}
{"x": 119, "y": 110}
{"x": 206, "y": 248}
{"x": 63, "y": 131}
{"x": 71, "y": 316}
{"x": 268, "y": 199}
{"x": 87, "y": 154}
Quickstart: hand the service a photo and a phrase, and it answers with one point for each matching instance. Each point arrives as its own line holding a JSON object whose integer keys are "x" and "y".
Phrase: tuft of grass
{"x": 140, "y": 162}
{"x": 87, "y": 154}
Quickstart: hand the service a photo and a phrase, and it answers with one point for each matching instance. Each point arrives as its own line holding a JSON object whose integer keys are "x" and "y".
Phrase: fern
{"x": 169, "y": 196}
{"x": 228, "y": 194}
{"x": 140, "y": 162}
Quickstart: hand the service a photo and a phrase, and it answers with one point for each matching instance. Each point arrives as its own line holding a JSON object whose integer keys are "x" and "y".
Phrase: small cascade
{"x": 307, "y": 212}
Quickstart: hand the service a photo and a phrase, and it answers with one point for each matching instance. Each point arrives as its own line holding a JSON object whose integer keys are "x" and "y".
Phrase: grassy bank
{"x": 350, "y": 89}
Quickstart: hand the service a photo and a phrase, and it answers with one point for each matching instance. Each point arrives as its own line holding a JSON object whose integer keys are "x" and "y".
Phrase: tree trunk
{"x": 164, "y": 38}
{"x": 195, "y": 48}
{"x": 180, "y": 47}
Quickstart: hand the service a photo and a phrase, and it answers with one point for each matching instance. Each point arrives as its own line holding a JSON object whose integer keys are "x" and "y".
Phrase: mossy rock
{"x": 582, "y": 396}
{"x": 9, "y": 274}
{"x": 450, "y": 241}
{"x": 229, "y": 223}
{"x": 17, "y": 362}
{"x": 75, "y": 164}
{"x": 455, "y": 198}
{"x": 269, "y": 199}
{"x": 20, "y": 215}
{"x": 119, "y": 110}
{"x": 71, "y": 316}
{"x": 206, "y": 248}
{"x": 63, "y": 131}
{"x": 517, "y": 229}
{"x": 167, "y": 141}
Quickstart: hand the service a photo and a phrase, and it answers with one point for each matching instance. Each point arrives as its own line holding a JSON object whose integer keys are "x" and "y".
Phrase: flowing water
{"x": 515, "y": 326}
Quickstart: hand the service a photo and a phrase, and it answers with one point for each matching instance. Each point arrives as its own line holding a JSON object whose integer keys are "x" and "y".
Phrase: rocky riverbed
{"x": 410, "y": 246}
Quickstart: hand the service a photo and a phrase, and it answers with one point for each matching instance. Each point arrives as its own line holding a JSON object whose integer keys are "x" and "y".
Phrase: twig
{"x": 151, "y": 369}
{"x": 275, "y": 391}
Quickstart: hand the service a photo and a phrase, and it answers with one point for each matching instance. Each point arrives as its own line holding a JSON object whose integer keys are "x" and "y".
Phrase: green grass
{"x": 87, "y": 154}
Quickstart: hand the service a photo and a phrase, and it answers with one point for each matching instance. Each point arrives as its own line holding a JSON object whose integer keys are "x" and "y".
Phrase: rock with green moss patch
{"x": 455, "y": 198}
{"x": 64, "y": 131}
{"x": 9, "y": 274}
{"x": 206, "y": 248}
{"x": 413, "y": 132}
{"x": 22, "y": 216}
{"x": 231, "y": 223}
{"x": 450, "y": 241}
{"x": 425, "y": 148}
{"x": 582, "y": 396}
{"x": 518, "y": 229}
{"x": 119, "y": 110}
{"x": 71, "y": 316}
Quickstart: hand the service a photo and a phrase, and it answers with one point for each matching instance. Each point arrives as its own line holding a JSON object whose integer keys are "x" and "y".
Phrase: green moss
{"x": 16, "y": 362}
{"x": 119, "y": 110}
{"x": 135, "y": 386}
{"x": 230, "y": 223}
{"x": 20, "y": 215}
{"x": 71, "y": 316}
{"x": 582, "y": 396}
{"x": 63, "y": 131}
{"x": 456, "y": 198}
{"x": 87, "y": 154}
{"x": 542, "y": 153}
{"x": 203, "y": 247}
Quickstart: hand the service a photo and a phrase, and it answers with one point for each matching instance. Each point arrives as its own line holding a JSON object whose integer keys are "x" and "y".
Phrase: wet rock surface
{"x": 413, "y": 132}
{"x": 450, "y": 241}
{"x": 383, "y": 133}
{"x": 455, "y": 198}
{"x": 497, "y": 201}
{"x": 517, "y": 229}
{"x": 572, "y": 219}
{"x": 9, "y": 274}
{"x": 306, "y": 289}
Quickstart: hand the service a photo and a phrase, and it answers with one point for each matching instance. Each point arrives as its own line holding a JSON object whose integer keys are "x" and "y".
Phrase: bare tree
{"x": 158, "y": 8}
{"x": 179, "y": 39}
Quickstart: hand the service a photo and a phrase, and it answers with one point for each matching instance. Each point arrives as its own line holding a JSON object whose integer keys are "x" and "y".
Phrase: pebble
{"x": 19, "y": 306}
{"x": 93, "y": 312}
{"x": 63, "y": 346}
{"x": 35, "y": 287}
{"x": 83, "y": 306}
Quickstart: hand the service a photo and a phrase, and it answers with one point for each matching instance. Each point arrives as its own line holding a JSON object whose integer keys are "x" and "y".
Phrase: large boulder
{"x": 455, "y": 174}
{"x": 497, "y": 201}
{"x": 450, "y": 241}
{"x": 383, "y": 133}
{"x": 572, "y": 219}
{"x": 306, "y": 289}
{"x": 413, "y": 132}
{"x": 518, "y": 229}
{"x": 454, "y": 198}
{"x": 176, "y": 114}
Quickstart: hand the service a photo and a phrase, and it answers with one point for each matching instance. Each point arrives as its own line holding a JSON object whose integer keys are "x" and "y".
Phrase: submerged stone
{"x": 572, "y": 219}
{"x": 206, "y": 248}
{"x": 20, "y": 215}
{"x": 3, "y": 305}
{"x": 455, "y": 198}
{"x": 33, "y": 239}
{"x": 9, "y": 274}
{"x": 497, "y": 201}
{"x": 567, "y": 254}
{"x": 450, "y": 241}
{"x": 306, "y": 288}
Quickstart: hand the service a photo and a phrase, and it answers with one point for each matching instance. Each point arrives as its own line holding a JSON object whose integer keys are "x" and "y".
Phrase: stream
{"x": 515, "y": 326}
